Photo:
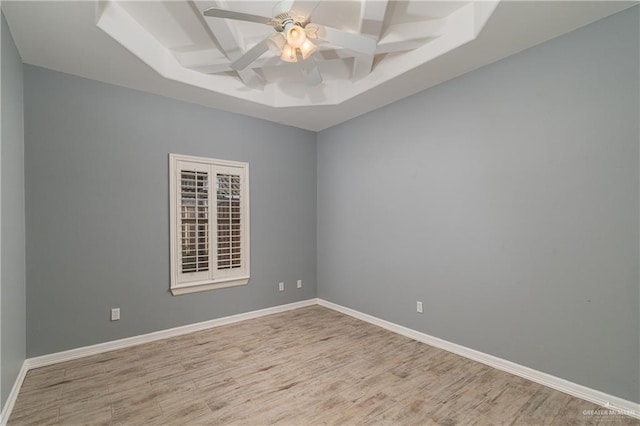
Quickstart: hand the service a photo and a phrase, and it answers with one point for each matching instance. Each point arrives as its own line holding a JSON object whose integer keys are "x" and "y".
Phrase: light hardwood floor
{"x": 307, "y": 366}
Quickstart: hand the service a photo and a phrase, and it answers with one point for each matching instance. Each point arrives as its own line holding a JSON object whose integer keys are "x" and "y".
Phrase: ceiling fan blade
{"x": 301, "y": 7}
{"x": 350, "y": 41}
{"x": 310, "y": 71}
{"x": 304, "y": 7}
{"x": 230, "y": 14}
{"x": 282, "y": 6}
{"x": 250, "y": 55}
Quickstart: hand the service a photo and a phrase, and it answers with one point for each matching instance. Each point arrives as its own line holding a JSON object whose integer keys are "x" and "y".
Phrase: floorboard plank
{"x": 307, "y": 366}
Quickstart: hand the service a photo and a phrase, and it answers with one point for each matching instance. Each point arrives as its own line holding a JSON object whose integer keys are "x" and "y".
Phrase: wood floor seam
{"x": 310, "y": 365}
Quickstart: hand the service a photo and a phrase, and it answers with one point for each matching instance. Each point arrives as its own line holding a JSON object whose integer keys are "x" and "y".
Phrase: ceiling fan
{"x": 294, "y": 32}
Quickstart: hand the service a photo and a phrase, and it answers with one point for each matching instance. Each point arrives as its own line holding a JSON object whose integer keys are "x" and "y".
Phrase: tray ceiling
{"x": 170, "y": 48}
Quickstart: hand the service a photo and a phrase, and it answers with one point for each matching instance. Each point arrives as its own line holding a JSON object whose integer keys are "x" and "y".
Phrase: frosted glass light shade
{"x": 288, "y": 54}
{"x": 296, "y": 36}
{"x": 307, "y": 49}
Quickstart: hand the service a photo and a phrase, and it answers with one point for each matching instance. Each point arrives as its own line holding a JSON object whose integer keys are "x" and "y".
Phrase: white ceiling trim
{"x": 230, "y": 43}
{"x": 371, "y": 23}
{"x": 63, "y": 36}
{"x": 417, "y": 42}
{"x": 116, "y": 22}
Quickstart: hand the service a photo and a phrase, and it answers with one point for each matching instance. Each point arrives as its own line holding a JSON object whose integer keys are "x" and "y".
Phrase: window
{"x": 209, "y": 202}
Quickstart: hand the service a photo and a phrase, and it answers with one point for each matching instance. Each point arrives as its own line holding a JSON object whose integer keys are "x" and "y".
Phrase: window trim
{"x": 242, "y": 278}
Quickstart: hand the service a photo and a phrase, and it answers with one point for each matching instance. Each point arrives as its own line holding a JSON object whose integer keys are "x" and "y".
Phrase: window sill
{"x": 206, "y": 286}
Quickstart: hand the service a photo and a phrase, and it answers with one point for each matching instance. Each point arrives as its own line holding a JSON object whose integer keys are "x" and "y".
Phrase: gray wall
{"x": 97, "y": 209}
{"x": 12, "y": 320}
{"x": 507, "y": 201}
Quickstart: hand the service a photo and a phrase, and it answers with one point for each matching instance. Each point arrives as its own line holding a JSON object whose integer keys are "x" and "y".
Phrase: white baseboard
{"x": 13, "y": 395}
{"x": 603, "y": 399}
{"x": 54, "y": 358}
{"x": 610, "y": 402}
{"x": 113, "y": 345}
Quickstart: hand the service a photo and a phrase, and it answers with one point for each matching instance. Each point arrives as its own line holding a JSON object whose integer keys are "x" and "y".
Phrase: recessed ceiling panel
{"x": 368, "y": 53}
{"x": 215, "y": 45}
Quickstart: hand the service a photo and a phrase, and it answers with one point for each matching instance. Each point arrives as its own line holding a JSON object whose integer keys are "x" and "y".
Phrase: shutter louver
{"x": 228, "y": 199}
{"x": 209, "y": 215}
{"x": 194, "y": 241}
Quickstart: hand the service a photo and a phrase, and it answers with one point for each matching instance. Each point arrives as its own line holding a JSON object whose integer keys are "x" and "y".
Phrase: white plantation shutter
{"x": 209, "y": 223}
{"x": 228, "y": 199}
{"x": 194, "y": 221}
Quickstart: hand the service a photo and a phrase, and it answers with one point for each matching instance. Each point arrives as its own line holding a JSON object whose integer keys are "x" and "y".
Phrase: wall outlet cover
{"x": 115, "y": 314}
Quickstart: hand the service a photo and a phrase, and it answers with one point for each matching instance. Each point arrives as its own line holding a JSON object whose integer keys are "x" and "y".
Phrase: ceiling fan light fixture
{"x": 289, "y": 54}
{"x": 307, "y": 49}
{"x": 312, "y": 30}
{"x": 276, "y": 43}
{"x": 296, "y": 36}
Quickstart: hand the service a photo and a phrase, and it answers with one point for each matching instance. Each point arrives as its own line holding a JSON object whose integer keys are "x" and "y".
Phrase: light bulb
{"x": 296, "y": 36}
{"x": 289, "y": 54}
{"x": 307, "y": 49}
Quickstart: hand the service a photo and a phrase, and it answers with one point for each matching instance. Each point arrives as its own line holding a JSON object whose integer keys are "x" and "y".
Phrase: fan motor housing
{"x": 283, "y": 21}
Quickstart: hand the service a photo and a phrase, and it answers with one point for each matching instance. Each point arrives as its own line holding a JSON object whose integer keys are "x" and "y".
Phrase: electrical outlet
{"x": 419, "y": 306}
{"x": 299, "y": 284}
{"x": 281, "y": 287}
{"x": 115, "y": 314}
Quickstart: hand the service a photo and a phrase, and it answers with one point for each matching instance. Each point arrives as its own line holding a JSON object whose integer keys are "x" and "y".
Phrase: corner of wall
{"x": 12, "y": 218}
{"x": 2, "y": 20}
